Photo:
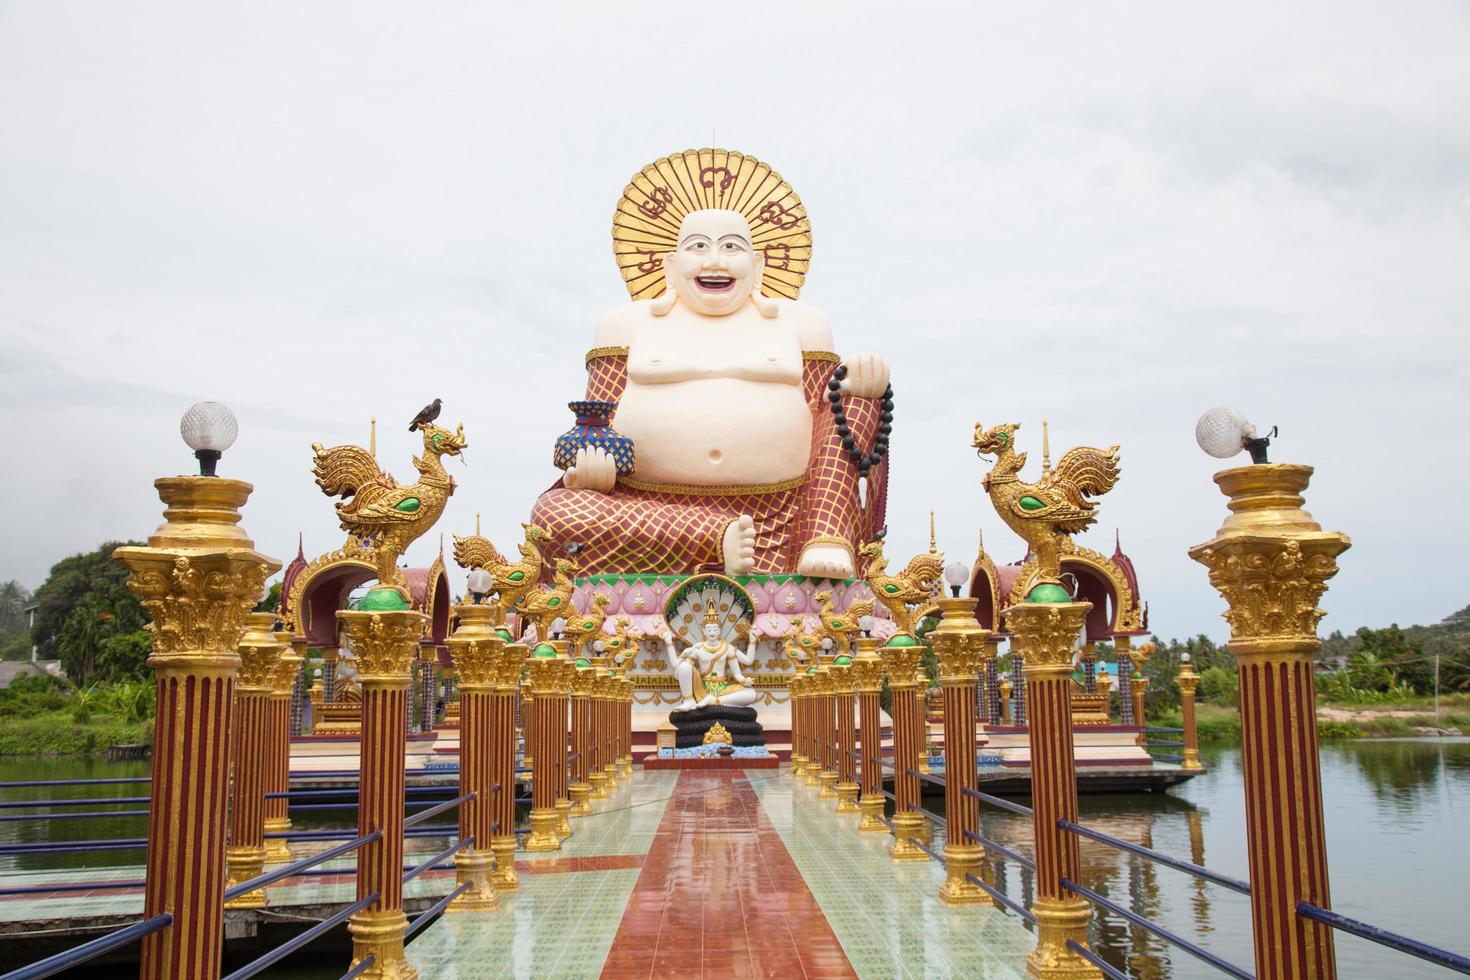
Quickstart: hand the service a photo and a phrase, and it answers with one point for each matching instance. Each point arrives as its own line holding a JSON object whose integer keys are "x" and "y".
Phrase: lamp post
{"x": 1188, "y": 680}
{"x": 1271, "y": 561}
{"x": 198, "y": 576}
{"x": 959, "y": 644}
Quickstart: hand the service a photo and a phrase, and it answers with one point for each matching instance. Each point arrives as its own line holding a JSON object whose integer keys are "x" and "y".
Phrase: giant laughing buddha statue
{"x": 720, "y": 431}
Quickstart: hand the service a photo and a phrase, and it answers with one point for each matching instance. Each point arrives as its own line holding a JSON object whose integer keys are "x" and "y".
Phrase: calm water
{"x": 1397, "y": 853}
{"x": 1396, "y": 849}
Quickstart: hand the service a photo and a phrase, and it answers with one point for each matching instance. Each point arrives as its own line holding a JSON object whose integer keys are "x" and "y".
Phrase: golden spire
{"x": 477, "y": 524}
{"x": 933, "y": 544}
{"x": 373, "y": 436}
{"x": 982, "y": 541}
{"x": 1045, "y": 448}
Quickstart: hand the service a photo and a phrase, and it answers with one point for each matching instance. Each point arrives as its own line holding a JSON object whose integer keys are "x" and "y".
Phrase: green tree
{"x": 1220, "y": 686}
{"x": 272, "y": 601}
{"x": 13, "y": 601}
{"x": 84, "y": 600}
{"x": 124, "y": 656}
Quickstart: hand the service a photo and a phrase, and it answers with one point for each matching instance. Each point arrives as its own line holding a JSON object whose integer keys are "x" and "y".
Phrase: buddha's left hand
{"x": 867, "y": 375}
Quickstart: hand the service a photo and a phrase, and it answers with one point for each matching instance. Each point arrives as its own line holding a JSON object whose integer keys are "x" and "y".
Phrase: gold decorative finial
{"x": 1055, "y": 505}
{"x": 982, "y": 541}
{"x": 378, "y": 512}
{"x": 907, "y": 595}
{"x": 933, "y": 542}
{"x": 1045, "y": 448}
{"x": 373, "y": 436}
{"x": 477, "y": 523}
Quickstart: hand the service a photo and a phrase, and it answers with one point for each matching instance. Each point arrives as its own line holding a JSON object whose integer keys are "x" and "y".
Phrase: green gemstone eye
{"x": 408, "y": 505}
{"x": 1031, "y": 503}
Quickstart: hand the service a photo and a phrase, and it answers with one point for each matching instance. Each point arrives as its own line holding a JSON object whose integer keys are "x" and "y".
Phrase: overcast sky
{"x": 1115, "y": 215}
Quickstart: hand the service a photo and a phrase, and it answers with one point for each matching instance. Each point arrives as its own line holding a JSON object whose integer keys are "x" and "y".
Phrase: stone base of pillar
{"x": 475, "y": 867}
{"x": 798, "y": 763}
{"x": 503, "y": 875}
{"x": 543, "y": 835}
{"x": 563, "y": 817}
{"x": 872, "y": 821}
{"x": 598, "y": 785}
{"x": 1058, "y": 920}
{"x": 244, "y": 863}
{"x": 847, "y": 798}
{"x": 827, "y": 779}
{"x": 277, "y": 851}
{"x": 957, "y": 889}
{"x": 580, "y": 792}
{"x": 627, "y": 764}
{"x": 907, "y": 827}
{"x": 380, "y": 935}
{"x": 1191, "y": 761}
{"x": 611, "y": 772}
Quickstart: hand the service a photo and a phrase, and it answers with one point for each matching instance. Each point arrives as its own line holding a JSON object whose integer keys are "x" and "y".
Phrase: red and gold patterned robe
{"x": 647, "y": 528}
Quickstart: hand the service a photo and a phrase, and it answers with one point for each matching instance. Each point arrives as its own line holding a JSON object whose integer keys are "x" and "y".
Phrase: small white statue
{"x": 709, "y": 671}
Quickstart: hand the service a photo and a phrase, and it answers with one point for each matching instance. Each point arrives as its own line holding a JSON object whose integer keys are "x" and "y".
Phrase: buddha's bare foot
{"x": 825, "y": 561}
{"x": 740, "y": 546}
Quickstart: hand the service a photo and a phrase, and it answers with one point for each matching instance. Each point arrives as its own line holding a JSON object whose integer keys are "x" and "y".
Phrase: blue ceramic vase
{"x": 592, "y": 430}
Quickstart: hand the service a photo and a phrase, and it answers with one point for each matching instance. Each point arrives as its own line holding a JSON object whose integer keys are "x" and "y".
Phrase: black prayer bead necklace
{"x": 864, "y": 461}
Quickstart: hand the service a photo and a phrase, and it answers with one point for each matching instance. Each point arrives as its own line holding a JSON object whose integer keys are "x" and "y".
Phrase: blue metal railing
{"x": 296, "y": 867}
{"x": 428, "y": 914}
{"x": 1234, "y": 884}
{"x": 304, "y": 939}
{"x": 1383, "y": 937}
{"x": 1174, "y": 939}
{"x": 1110, "y": 972}
{"x": 423, "y": 815}
{"x": 67, "y": 959}
{"x": 433, "y": 862}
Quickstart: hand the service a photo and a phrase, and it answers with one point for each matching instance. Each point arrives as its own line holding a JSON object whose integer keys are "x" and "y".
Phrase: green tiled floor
{"x": 888, "y": 915}
{"x": 554, "y": 925}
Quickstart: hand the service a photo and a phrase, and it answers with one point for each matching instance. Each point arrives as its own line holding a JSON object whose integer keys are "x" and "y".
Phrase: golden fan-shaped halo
{"x": 646, "y": 222}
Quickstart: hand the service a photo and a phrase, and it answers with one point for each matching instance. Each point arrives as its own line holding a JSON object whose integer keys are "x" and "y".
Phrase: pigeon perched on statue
{"x": 427, "y": 414}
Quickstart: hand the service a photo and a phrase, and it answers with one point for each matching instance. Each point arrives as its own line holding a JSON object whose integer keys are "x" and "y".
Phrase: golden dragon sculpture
{"x": 511, "y": 580}
{"x": 384, "y": 516}
{"x": 909, "y": 594}
{"x": 841, "y": 628}
{"x": 1058, "y": 503}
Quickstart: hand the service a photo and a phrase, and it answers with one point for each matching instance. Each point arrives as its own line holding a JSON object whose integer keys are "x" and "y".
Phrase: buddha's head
{"x": 715, "y": 269}
{"x": 712, "y": 631}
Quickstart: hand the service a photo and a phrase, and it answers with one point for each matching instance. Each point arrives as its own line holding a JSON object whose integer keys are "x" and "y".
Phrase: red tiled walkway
{"x": 719, "y": 895}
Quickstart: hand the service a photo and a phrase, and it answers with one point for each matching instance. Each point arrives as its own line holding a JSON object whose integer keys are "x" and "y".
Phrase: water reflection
{"x": 1396, "y": 857}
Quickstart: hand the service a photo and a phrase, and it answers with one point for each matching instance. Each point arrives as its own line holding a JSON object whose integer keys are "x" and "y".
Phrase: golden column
{"x": 606, "y": 751}
{"x": 959, "y": 643}
{"x": 798, "y": 757}
{"x": 278, "y": 748}
{"x": 197, "y": 577}
{"x": 547, "y": 740}
{"x": 511, "y": 663}
{"x": 901, "y": 662}
{"x": 260, "y": 655}
{"x": 477, "y": 650}
{"x": 842, "y": 700}
{"x": 1005, "y": 701}
{"x": 1139, "y": 683}
{"x": 585, "y": 709}
{"x": 1271, "y": 561}
{"x": 1045, "y": 635}
{"x": 867, "y": 683}
{"x": 626, "y": 697}
{"x": 1188, "y": 680}
{"x": 559, "y": 710}
{"x": 827, "y": 730}
{"x": 384, "y": 638}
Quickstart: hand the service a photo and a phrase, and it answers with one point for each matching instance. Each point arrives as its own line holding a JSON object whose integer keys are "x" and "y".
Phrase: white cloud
{"x": 1115, "y": 215}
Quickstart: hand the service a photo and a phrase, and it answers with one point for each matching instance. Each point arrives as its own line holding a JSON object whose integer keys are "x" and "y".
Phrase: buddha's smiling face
{"x": 711, "y": 632}
{"x": 714, "y": 269}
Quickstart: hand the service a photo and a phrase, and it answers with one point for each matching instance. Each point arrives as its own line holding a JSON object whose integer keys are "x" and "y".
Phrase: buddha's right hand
{"x": 593, "y": 470}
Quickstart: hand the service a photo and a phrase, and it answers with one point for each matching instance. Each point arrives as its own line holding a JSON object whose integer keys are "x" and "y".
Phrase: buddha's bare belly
{"x": 716, "y": 432}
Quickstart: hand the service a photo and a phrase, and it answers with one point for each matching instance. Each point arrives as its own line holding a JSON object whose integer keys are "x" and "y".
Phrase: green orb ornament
{"x": 383, "y": 599}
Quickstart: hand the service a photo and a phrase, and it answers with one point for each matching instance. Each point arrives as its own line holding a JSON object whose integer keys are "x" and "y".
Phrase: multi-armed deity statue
{"x": 742, "y": 444}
